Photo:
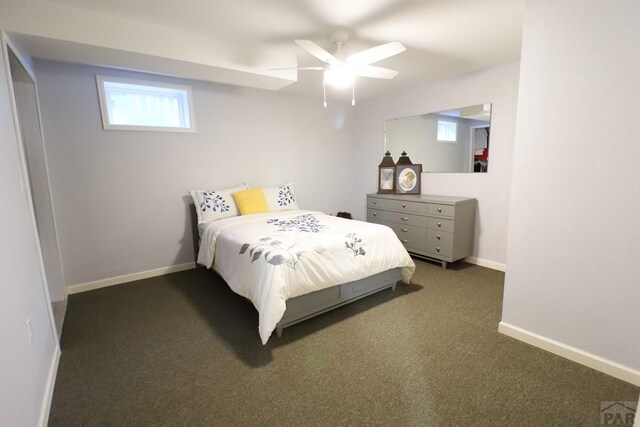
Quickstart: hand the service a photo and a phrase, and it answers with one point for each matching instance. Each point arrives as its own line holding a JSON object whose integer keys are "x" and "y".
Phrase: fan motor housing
{"x": 339, "y": 36}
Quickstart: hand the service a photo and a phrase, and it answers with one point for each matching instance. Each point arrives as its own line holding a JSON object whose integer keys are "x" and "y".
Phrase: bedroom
{"x": 538, "y": 206}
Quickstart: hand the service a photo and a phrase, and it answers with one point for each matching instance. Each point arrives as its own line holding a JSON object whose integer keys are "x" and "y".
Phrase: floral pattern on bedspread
{"x": 307, "y": 223}
{"x": 274, "y": 252}
{"x": 354, "y": 243}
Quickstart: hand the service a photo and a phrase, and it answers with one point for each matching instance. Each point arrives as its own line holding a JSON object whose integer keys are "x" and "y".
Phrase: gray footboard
{"x": 315, "y": 303}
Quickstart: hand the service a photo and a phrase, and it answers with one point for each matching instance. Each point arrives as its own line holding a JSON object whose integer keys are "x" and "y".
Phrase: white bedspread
{"x": 271, "y": 257}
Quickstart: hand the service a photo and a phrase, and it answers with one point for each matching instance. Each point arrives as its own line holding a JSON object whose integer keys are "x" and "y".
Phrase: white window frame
{"x": 446, "y": 141}
{"x": 107, "y": 125}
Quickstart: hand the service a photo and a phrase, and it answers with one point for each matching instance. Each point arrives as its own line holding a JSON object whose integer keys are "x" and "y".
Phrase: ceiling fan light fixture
{"x": 341, "y": 72}
{"x": 339, "y": 76}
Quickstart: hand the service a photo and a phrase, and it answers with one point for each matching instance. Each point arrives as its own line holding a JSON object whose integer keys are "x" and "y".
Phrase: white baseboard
{"x": 575, "y": 354}
{"x": 48, "y": 392}
{"x": 97, "y": 284}
{"x": 486, "y": 263}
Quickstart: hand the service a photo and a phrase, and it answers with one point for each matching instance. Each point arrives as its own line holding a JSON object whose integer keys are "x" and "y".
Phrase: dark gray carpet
{"x": 182, "y": 349}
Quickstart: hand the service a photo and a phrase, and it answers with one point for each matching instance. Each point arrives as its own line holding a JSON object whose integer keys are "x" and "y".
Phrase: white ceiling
{"x": 443, "y": 37}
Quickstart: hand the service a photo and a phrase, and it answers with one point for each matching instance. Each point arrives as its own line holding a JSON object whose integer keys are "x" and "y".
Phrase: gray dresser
{"x": 434, "y": 227}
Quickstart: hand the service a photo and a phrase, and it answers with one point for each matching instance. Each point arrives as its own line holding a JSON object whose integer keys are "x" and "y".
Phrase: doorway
{"x": 35, "y": 168}
{"x": 479, "y": 161}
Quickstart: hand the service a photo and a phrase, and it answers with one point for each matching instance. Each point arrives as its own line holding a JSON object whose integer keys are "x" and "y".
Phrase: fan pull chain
{"x": 324, "y": 90}
{"x": 353, "y": 92}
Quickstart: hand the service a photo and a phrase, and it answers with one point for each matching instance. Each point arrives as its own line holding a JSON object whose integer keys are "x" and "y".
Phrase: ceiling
{"x": 206, "y": 39}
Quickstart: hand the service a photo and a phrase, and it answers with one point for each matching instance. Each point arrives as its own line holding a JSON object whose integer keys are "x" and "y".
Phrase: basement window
{"x": 447, "y": 131}
{"x": 144, "y": 105}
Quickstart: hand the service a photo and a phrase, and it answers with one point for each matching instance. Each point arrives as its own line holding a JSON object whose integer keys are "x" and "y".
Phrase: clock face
{"x": 386, "y": 179}
{"x": 407, "y": 180}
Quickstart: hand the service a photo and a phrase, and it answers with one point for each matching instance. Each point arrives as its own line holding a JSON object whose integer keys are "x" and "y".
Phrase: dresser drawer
{"x": 411, "y": 237}
{"x": 440, "y": 224}
{"x": 406, "y": 206}
{"x": 373, "y": 202}
{"x": 445, "y": 211}
{"x": 406, "y": 219}
{"x": 376, "y": 215}
{"x": 373, "y": 215}
{"x": 397, "y": 205}
{"x": 440, "y": 243}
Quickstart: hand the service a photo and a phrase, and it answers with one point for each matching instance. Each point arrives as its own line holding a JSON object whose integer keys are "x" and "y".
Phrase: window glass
{"x": 447, "y": 131}
{"x": 128, "y": 104}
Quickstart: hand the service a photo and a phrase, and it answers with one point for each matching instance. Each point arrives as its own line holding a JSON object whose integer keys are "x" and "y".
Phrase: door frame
{"x": 7, "y": 45}
{"x": 473, "y": 143}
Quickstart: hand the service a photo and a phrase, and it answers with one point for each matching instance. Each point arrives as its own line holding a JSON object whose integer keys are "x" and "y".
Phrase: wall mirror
{"x": 447, "y": 141}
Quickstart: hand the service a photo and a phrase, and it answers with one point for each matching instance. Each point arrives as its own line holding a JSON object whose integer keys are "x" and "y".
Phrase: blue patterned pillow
{"x": 281, "y": 198}
{"x": 215, "y": 204}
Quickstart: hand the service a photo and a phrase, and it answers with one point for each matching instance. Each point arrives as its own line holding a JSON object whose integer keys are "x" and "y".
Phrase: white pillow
{"x": 215, "y": 204}
{"x": 281, "y": 198}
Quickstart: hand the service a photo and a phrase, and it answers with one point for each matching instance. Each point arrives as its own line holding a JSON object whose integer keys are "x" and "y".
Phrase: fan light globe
{"x": 340, "y": 76}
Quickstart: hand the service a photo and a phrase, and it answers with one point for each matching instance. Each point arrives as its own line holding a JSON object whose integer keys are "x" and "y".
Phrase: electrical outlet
{"x": 29, "y": 332}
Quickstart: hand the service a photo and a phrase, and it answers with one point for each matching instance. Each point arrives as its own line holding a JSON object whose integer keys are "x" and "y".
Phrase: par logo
{"x": 618, "y": 413}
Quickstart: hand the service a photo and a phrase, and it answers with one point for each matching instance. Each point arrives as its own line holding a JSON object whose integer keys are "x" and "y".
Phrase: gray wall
{"x": 119, "y": 196}
{"x": 574, "y": 234}
{"x": 25, "y": 367}
{"x": 499, "y": 86}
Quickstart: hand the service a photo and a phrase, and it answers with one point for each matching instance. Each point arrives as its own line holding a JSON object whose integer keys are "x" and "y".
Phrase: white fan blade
{"x": 374, "y": 72}
{"x": 318, "y": 52}
{"x": 301, "y": 68}
{"x": 376, "y": 54}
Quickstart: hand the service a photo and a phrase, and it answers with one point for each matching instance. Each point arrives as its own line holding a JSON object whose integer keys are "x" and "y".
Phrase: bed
{"x": 296, "y": 264}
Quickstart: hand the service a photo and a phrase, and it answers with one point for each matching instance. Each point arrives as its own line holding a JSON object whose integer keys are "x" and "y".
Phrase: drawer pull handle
{"x": 405, "y": 241}
{"x": 375, "y": 203}
{"x": 438, "y": 237}
{"x": 404, "y": 206}
{"x": 404, "y": 218}
{"x": 439, "y": 224}
{"x": 375, "y": 214}
{"x": 404, "y": 229}
{"x": 437, "y": 249}
{"x": 439, "y": 210}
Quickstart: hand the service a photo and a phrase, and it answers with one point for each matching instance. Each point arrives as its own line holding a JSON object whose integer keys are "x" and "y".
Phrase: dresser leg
{"x": 444, "y": 265}
{"x": 279, "y": 331}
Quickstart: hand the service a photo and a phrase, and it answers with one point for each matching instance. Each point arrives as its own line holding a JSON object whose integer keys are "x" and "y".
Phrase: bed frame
{"x": 310, "y": 305}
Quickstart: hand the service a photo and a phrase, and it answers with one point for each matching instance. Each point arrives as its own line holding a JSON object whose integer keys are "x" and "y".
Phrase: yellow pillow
{"x": 251, "y": 201}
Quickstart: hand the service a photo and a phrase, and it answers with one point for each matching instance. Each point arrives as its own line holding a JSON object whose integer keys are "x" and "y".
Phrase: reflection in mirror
{"x": 448, "y": 141}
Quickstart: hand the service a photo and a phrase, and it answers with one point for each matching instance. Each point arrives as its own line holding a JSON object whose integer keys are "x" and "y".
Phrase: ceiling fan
{"x": 341, "y": 71}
